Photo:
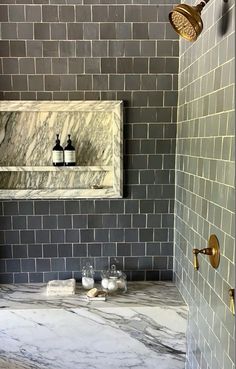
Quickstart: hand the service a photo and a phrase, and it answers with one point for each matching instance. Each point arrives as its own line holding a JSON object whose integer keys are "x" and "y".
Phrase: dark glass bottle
{"x": 57, "y": 154}
{"x": 69, "y": 153}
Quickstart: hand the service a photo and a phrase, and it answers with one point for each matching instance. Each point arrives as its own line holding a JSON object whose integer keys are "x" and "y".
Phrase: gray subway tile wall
{"x": 78, "y": 50}
{"x": 205, "y": 193}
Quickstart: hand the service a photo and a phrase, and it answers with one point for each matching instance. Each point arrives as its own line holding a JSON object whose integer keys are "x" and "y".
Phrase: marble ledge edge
{"x": 57, "y": 105}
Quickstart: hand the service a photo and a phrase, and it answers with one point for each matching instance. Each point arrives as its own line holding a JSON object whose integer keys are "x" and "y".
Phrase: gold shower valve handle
{"x": 213, "y": 251}
{"x": 231, "y": 301}
{"x": 206, "y": 251}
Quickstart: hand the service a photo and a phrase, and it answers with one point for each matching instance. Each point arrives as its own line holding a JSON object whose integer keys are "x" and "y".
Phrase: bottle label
{"x": 69, "y": 156}
{"x": 57, "y": 156}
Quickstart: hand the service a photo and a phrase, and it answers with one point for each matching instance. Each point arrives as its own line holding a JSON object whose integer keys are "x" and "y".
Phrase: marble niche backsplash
{"x": 27, "y": 135}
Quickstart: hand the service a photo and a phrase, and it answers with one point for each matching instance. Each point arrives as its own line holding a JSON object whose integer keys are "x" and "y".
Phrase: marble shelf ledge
{"x": 66, "y": 106}
{"x": 106, "y": 192}
{"x": 89, "y": 168}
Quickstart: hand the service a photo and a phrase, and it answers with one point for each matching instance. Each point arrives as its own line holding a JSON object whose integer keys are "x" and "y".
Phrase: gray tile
{"x": 4, "y": 48}
{"x": 20, "y": 83}
{"x": 59, "y": 65}
{"x": 116, "y": 82}
{"x": 92, "y": 65}
{"x": 94, "y": 250}
{"x": 3, "y": 13}
{"x": 52, "y": 83}
{"x": 58, "y": 31}
{"x": 17, "y": 48}
{"x": 140, "y": 65}
{"x": 116, "y": 13}
{"x": 41, "y": 31}
{"x": 116, "y": 48}
{"x": 123, "y": 249}
{"x": 50, "y": 250}
{"x": 133, "y": 13}
{"x": 156, "y": 30}
{"x": 42, "y": 236}
{"x": 35, "y": 83}
{"x": 116, "y": 235}
{"x": 76, "y": 65}
{"x": 140, "y": 31}
{"x": 84, "y": 82}
{"x": 160, "y": 262}
{"x": 33, "y": 13}
{"x": 12, "y": 237}
{"x": 8, "y": 31}
{"x": 109, "y": 221}
{"x": 131, "y": 263}
{"x": 72, "y": 235}
{"x": 83, "y": 48}
{"x": 100, "y": 48}
{"x": 107, "y": 31}
{"x": 100, "y": 13}
{"x": 101, "y": 235}
{"x": 80, "y": 250}
{"x": 27, "y": 236}
{"x": 42, "y": 265}
{"x": 91, "y": 31}
{"x": 83, "y": 13}
{"x": 34, "y": 48}
{"x": 27, "y": 66}
{"x": 13, "y": 266}
{"x": 108, "y": 65}
{"x": 109, "y": 249}
{"x": 64, "y": 250}
{"x": 123, "y": 31}
{"x": 19, "y": 251}
{"x": 19, "y": 222}
{"x": 10, "y": 66}
{"x": 130, "y": 48}
{"x": 51, "y": 48}
{"x": 50, "y": 13}
{"x": 66, "y": 13}
{"x": 145, "y": 235}
{"x": 87, "y": 235}
{"x": 75, "y": 31}
{"x": 16, "y": 13}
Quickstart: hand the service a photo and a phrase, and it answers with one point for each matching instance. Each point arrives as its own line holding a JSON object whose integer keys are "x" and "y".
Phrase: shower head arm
{"x": 201, "y": 5}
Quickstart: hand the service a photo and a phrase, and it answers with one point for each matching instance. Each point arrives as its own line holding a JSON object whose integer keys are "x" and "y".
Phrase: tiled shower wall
{"x": 90, "y": 50}
{"x": 205, "y": 186}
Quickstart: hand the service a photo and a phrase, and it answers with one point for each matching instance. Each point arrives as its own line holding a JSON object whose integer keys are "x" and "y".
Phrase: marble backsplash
{"x": 27, "y": 138}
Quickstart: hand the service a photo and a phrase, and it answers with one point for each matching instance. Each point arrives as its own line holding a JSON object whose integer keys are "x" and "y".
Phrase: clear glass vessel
{"x": 113, "y": 280}
{"x": 87, "y": 277}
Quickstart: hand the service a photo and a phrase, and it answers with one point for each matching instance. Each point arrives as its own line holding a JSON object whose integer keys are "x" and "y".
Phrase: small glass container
{"x": 87, "y": 277}
{"x": 113, "y": 280}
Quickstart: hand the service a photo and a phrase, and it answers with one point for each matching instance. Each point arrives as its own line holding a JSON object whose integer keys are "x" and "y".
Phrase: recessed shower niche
{"x": 27, "y": 135}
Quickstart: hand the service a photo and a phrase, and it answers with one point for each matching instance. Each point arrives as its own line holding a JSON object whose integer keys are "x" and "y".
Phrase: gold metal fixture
{"x": 231, "y": 301}
{"x": 186, "y": 20}
{"x": 213, "y": 251}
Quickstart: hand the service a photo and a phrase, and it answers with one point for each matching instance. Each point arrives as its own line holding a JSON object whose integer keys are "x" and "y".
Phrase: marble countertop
{"x": 144, "y": 328}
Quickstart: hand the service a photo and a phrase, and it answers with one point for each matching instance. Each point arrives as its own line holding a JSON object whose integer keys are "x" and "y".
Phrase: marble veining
{"x": 143, "y": 329}
{"x": 62, "y": 105}
{"x": 27, "y": 135}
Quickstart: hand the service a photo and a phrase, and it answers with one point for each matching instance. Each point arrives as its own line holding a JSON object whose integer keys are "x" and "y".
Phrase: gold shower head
{"x": 186, "y": 20}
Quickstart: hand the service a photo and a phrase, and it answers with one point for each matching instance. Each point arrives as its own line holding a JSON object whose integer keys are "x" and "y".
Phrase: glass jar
{"x": 113, "y": 280}
{"x": 87, "y": 277}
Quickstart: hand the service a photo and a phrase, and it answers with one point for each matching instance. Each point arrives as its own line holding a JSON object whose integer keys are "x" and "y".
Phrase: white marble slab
{"x": 143, "y": 329}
